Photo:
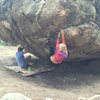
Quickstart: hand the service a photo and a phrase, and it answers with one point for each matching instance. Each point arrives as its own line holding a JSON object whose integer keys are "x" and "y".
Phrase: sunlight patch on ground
{"x": 7, "y": 51}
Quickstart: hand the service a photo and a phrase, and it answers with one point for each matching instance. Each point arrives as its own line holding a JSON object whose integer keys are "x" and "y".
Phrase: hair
{"x": 20, "y": 49}
{"x": 63, "y": 47}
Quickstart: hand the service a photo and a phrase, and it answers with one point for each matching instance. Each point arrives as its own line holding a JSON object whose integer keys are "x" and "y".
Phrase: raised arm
{"x": 63, "y": 37}
{"x": 63, "y": 41}
{"x": 57, "y": 41}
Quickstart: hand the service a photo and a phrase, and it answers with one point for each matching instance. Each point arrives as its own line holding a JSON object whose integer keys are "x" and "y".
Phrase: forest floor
{"x": 70, "y": 81}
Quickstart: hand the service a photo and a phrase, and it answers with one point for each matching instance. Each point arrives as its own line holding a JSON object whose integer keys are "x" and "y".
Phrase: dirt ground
{"x": 69, "y": 81}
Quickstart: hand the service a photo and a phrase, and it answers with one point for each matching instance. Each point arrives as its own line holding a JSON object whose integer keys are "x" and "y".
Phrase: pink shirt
{"x": 59, "y": 56}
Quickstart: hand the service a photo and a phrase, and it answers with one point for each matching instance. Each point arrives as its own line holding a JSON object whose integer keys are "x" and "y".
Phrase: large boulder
{"x": 30, "y": 22}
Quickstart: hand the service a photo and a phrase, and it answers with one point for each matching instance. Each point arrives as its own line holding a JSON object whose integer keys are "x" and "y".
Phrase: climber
{"x": 61, "y": 52}
{"x": 23, "y": 61}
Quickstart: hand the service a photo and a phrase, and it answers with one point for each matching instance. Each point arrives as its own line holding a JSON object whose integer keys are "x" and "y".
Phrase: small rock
{"x": 49, "y": 99}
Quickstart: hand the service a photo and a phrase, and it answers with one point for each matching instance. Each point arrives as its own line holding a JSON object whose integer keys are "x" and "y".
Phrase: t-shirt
{"x": 20, "y": 59}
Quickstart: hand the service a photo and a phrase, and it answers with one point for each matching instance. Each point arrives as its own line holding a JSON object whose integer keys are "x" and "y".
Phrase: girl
{"x": 61, "y": 51}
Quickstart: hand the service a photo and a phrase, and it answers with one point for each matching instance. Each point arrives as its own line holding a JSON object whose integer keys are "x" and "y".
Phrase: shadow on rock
{"x": 70, "y": 75}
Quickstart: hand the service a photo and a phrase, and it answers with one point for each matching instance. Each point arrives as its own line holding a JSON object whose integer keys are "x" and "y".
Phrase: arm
{"x": 63, "y": 41}
{"x": 25, "y": 50}
{"x": 57, "y": 42}
{"x": 63, "y": 38}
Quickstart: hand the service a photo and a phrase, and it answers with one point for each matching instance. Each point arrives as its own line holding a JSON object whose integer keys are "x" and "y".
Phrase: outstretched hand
{"x": 59, "y": 35}
{"x": 62, "y": 31}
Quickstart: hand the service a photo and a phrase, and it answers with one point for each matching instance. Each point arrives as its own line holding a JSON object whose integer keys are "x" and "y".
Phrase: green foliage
{"x": 2, "y": 42}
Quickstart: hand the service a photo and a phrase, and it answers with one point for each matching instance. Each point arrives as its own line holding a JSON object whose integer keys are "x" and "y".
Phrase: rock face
{"x": 30, "y": 22}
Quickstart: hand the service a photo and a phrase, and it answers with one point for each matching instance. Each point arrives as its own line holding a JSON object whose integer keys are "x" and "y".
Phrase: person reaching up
{"x": 61, "y": 52}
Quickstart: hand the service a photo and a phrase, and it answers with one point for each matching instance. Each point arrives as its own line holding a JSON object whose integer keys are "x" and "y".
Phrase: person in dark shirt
{"x": 21, "y": 60}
